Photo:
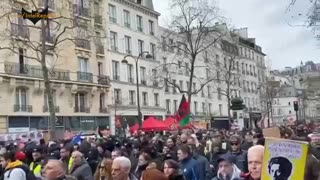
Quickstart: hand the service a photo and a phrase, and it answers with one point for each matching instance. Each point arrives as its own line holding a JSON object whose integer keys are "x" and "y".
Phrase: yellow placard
{"x": 284, "y": 159}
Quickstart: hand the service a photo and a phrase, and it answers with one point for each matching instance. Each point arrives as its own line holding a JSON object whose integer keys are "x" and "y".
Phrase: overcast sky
{"x": 274, "y": 28}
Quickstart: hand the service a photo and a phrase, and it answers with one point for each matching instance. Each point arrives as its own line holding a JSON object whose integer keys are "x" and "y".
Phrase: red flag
{"x": 117, "y": 121}
{"x": 184, "y": 109}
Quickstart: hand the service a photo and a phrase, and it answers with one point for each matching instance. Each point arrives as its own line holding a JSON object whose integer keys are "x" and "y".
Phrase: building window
{"x": 209, "y": 91}
{"x": 163, "y": 43}
{"x": 194, "y": 87}
{"x": 187, "y": 69}
{"x": 21, "y": 100}
{"x": 130, "y": 73}
{"x": 181, "y": 85}
{"x": 220, "y": 109}
{"x": 175, "y": 104}
{"x": 80, "y": 102}
{"x": 188, "y": 84}
{"x": 208, "y": 73}
{"x": 112, "y": 13}
{"x": 143, "y": 75}
{"x": 117, "y": 96}
{"x": 139, "y": 23}
{"x": 195, "y": 103}
{"x": 174, "y": 89}
{"x": 156, "y": 100}
{"x": 171, "y": 45}
{"x": 126, "y": 18}
{"x": 140, "y": 46}
{"x": 204, "y": 108}
{"x": 210, "y": 108}
{"x": 102, "y": 100}
{"x": 168, "y": 106}
{"x": 100, "y": 68}
{"x": 153, "y": 50}
{"x": 114, "y": 41}
{"x": 151, "y": 27}
{"x": 132, "y": 96}
{"x": 83, "y": 64}
{"x": 127, "y": 42}
{"x": 115, "y": 70}
{"x": 225, "y": 62}
{"x": 219, "y": 94}
{"x": 166, "y": 86}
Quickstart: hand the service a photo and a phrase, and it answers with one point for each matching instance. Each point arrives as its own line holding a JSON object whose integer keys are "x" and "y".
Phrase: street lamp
{"x": 137, "y": 79}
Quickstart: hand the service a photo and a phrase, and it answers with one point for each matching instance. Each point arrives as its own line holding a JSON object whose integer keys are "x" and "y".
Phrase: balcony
{"x": 112, "y": 19}
{"x": 99, "y": 49}
{"x": 50, "y": 4}
{"x": 128, "y": 52}
{"x": 140, "y": 29}
{"x": 82, "y": 43}
{"x": 132, "y": 103}
{"x": 34, "y": 71}
{"x": 114, "y": 48}
{"x": 103, "y": 110}
{"x": 130, "y": 80}
{"x": 83, "y": 109}
{"x": 80, "y": 11}
{"x": 84, "y": 76}
{"x": 104, "y": 80}
{"x": 116, "y": 77}
{"x": 127, "y": 25}
{"x": 22, "y": 108}
{"x": 98, "y": 19}
{"x": 19, "y": 30}
{"x": 49, "y": 39}
{"x": 155, "y": 83}
{"x": 143, "y": 82}
{"x": 46, "y": 109}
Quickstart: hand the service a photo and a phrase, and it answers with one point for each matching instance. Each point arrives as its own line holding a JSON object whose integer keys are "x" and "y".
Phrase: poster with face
{"x": 284, "y": 159}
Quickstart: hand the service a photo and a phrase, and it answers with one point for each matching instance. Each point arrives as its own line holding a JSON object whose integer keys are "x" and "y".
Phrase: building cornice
{"x": 137, "y": 7}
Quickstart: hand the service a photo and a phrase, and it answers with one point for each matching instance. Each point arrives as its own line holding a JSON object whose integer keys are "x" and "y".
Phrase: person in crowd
{"x": 184, "y": 138}
{"x": 203, "y": 163}
{"x": 55, "y": 170}
{"x": 12, "y": 167}
{"x": 189, "y": 166}
{"x": 216, "y": 153}
{"x": 153, "y": 174}
{"x": 116, "y": 153}
{"x": 93, "y": 158}
{"x": 227, "y": 170}
{"x": 65, "y": 154}
{"x": 241, "y": 155}
{"x": 101, "y": 150}
{"x": 121, "y": 169}
{"x": 80, "y": 168}
{"x": 104, "y": 170}
{"x": 37, "y": 161}
{"x": 172, "y": 148}
{"x": 255, "y": 160}
{"x": 199, "y": 147}
{"x": 143, "y": 161}
{"x": 248, "y": 141}
{"x": 21, "y": 156}
{"x": 172, "y": 170}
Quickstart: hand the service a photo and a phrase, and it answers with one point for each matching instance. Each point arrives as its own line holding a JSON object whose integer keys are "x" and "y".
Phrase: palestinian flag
{"x": 183, "y": 115}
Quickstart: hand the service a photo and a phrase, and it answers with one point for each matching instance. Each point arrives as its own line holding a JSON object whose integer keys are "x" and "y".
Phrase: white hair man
{"x": 121, "y": 169}
{"x": 255, "y": 159}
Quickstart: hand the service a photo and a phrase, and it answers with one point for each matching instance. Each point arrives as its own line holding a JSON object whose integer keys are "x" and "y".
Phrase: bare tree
{"x": 194, "y": 30}
{"x": 54, "y": 32}
{"x": 226, "y": 70}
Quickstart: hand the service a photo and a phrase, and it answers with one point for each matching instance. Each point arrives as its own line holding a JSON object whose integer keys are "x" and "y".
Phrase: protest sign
{"x": 284, "y": 159}
{"x": 273, "y": 132}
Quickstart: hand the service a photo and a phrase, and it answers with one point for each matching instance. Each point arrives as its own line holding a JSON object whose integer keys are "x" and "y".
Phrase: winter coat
{"x": 178, "y": 176}
{"x": 312, "y": 170}
{"x": 235, "y": 175}
{"x": 82, "y": 171}
{"x": 190, "y": 168}
{"x": 204, "y": 167}
{"x": 13, "y": 172}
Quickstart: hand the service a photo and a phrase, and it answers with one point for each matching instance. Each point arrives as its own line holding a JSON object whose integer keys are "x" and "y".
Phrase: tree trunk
{"x": 46, "y": 79}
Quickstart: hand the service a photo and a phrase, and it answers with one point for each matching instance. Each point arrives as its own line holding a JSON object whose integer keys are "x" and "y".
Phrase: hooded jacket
{"x": 235, "y": 174}
{"x": 14, "y": 173}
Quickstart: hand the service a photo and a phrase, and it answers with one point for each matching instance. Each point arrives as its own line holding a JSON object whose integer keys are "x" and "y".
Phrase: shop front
{"x": 21, "y": 124}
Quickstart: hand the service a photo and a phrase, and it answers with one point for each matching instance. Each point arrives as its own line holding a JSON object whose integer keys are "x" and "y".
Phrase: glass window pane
{"x": 38, "y": 123}
{"x": 87, "y": 124}
{"x": 102, "y": 122}
{"x": 73, "y": 123}
{"x": 18, "y": 122}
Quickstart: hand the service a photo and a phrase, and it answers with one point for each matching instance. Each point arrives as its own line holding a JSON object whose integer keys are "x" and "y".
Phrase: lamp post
{"x": 137, "y": 79}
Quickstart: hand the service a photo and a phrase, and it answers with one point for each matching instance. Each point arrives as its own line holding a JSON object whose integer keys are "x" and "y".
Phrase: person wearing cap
{"x": 227, "y": 170}
{"x": 238, "y": 153}
{"x": 65, "y": 154}
{"x": 35, "y": 165}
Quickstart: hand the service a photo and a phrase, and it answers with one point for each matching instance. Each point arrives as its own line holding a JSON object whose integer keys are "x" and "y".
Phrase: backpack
{"x": 29, "y": 174}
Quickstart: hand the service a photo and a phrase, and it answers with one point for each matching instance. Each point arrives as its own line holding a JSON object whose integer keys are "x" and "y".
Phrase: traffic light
{"x": 295, "y": 105}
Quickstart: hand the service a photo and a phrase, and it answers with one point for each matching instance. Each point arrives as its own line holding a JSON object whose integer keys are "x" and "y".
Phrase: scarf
{"x": 13, "y": 164}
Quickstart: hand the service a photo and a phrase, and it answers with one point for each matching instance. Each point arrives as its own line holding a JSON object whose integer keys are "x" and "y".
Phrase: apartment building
{"x": 132, "y": 34}
{"x": 76, "y": 68}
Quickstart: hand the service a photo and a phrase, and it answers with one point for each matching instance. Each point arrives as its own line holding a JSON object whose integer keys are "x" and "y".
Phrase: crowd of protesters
{"x": 205, "y": 155}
